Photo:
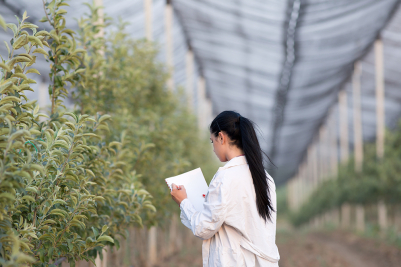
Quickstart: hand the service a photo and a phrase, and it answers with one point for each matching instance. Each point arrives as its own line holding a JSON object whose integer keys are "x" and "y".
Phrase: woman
{"x": 238, "y": 220}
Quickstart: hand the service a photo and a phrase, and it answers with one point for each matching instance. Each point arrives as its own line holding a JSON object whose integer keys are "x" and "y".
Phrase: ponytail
{"x": 241, "y": 132}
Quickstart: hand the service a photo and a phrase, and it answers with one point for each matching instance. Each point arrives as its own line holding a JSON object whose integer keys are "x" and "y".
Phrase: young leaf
{"x": 3, "y": 23}
{"x": 105, "y": 238}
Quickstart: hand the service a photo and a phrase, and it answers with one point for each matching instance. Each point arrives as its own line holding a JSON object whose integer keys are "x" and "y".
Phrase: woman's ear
{"x": 221, "y": 138}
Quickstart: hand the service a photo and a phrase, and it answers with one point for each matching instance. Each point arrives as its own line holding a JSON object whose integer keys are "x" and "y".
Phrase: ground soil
{"x": 332, "y": 249}
{"x": 315, "y": 249}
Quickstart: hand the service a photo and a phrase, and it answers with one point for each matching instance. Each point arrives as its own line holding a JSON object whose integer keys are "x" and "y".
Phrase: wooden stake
{"x": 380, "y": 123}
{"x": 314, "y": 166}
{"x": 333, "y": 147}
{"x": 168, "y": 15}
{"x": 152, "y": 246}
{"x": 190, "y": 77}
{"x": 343, "y": 118}
{"x": 345, "y": 216}
{"x": 43, "y": 93}
{"x": 382, "y": 212}
{"x": 148, "y": 6}
{"x": 99, "y": 3}
{"x": 360, "y": 218}
{"x": 201, "y": 103}
{"x": 358, "y": 137}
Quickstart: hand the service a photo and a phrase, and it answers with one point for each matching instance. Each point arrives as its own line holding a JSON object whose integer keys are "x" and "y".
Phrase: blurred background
{"x": 320, "y": 79}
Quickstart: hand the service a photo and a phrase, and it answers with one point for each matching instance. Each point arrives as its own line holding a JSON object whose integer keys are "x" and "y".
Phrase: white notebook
{"x": 194, "y": 183}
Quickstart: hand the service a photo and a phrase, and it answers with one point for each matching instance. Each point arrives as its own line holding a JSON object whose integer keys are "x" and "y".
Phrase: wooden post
{"x": 314, "y": 165}
{"x": 322, "y": 152}
{"x": 100, "y": 34}
{"x": 360, "y": 218}
{"x": 100, "y": 12}
{"x": 43, "y": 93}
{"x": 190, "y": 77}
{"x": 294, "y": 193}
{"x": 148, "y": 6}
{"x": 358, "y": 139}
{"x": 289, "y": 195}
{"x": 302, "y": 180}
{"x": 380, "y": 121}
{"x": 345, "y": 216}
{"x": 333, "y": 147}
{"x": 343, "y": 118}
{"x": 297, "y": 193}
{"x": 209, "y": 111}
{"x": 201, "y": 103}
{"x": 152, "y": 246}
{"x": 382, "y": 214}
{"x": 168, "y": 15}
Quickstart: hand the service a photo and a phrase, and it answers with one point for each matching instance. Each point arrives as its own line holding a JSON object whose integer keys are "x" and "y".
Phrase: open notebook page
{"x": 194, "y": 183}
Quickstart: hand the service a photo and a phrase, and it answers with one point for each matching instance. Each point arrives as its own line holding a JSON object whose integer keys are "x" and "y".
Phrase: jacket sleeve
{"x": 205, "y": 223}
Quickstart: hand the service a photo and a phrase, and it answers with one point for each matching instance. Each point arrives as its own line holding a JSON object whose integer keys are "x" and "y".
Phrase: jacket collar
{"x": 241, "y": 160}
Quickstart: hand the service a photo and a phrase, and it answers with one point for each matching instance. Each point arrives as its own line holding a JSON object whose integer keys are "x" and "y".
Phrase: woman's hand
{"x": 178, "y": 193}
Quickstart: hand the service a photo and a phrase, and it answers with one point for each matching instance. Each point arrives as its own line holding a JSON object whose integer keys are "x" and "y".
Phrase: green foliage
{"x": 71, "y": 182}
{"x": 64, "y": 188}
{"x": 379, "y": 180}
{"x": 124, "y": 79}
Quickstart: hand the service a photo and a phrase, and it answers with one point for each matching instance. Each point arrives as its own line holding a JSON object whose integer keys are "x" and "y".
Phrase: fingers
{"x": 174, "y": 187}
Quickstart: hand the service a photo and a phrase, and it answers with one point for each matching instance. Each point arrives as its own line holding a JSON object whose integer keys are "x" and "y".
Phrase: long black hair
{"x": 242, "y": 134}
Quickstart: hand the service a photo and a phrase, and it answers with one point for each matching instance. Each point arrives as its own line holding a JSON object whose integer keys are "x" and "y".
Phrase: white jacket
{"x": 233, "y": 232}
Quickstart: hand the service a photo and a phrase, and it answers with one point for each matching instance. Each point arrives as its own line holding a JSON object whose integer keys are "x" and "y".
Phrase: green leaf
{"x": 95, "y": 231}
{"x": 43, "y": 19}
{"x": 20, "y": 42}
{"x": 35, "y": 40}
{"x": 59, "y": 201}
{"x": 105, "y": 238}
{"x": 5, "y": 67}
{"x": 13, "y": 27}
{"x": 29, "y": 25}
{"x": 28, "y": 198}
{"x": 104, "y": 228}
{"x": 9, "y": 99}
{"x": 49, "y": 221}
{"x": 7, "y": 195}
{"x": 8, "y": 48}
{"x": 151, "y": 207}
{"x": 61, "y": 12}
{"x": 33, "y": 189}
{"x": 40, "y": 51}
{"x": 42, "y": 256}
{"x": 32, "y": 70}
{"x": 3, "y": 23}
